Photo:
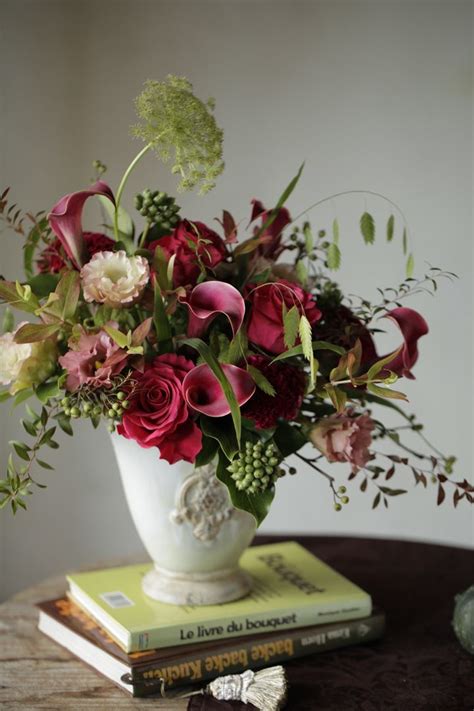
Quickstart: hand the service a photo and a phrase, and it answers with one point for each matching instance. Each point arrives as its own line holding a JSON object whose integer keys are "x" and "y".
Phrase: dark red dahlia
{"x": 52, "y": 259}
{"x": 289, "y": 383}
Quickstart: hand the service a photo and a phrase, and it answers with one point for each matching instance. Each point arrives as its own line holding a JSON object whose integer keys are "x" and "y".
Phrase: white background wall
{"x": 372, "y": 95}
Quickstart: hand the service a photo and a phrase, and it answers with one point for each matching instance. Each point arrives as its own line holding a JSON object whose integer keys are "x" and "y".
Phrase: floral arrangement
{"x": 204, "y": 345}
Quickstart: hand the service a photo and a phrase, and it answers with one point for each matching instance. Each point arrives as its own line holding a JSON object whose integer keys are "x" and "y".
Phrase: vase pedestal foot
{"x": 196, "y": 588}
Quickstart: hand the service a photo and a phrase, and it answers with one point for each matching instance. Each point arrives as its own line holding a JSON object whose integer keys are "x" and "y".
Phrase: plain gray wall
{"x": 373, "y": 95}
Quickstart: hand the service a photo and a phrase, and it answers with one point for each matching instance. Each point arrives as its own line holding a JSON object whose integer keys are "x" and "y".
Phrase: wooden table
{"x": 418, "y": 666}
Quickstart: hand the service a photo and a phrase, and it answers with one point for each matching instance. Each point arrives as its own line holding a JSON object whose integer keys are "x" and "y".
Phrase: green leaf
{"x": 410, "y": 265}
{"x": 160, "y": 320}
{"x": 386, "y": 392}
{"x": 47, "y": 390}
{"x": 220, "y": 429}
{"x": 338, "y": 397}
{"x": 29, "y": 427}
{"x": 21, "y": 450}
{"x": 9, "y": 293}
{"x": 208, "y": 451}
{"x": 121, "y": 339}
{"x": 367, "y": 228}
{"x": 238, "y": 347}
{"x": 302, "y": 272}
{"x": 206, "y": 353}
{"x": 281, "y": 201}
{"x": 390, "y": 228}
{"x": 405, "y": 240}
{"x": 289, "y": 439}
{"x": 258, "y": 505}
{"x": 305, "y": 332}
{"x": 125, "y": 223}
{"x": 4, "y": 395}
{"x": 379, "y": 365}
{"x": 45, "y": 465}
{"x": 316, "y": 345}
{"x": 43, "y": 284}
{"x": 291, "y": 322}
{"x": 22, "y": 396}
{"x": 308, "y": 237}
{"x": 261, "y": 381}
{"x": 333, "y": 257}
{"x": 68, "y": 291}
{"x": 35, "y": 332}
{"x": 8, "y": 320}
{"x": 335, "y": 231}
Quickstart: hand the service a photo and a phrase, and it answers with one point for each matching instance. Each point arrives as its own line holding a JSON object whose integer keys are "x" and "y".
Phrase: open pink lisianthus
{"x": 87, "y": 361}
{"x": 343, "y": 438}
{"x": 265, "y": 327}
{"x": 158, "y": 415}
{"x": 191, "y": 242}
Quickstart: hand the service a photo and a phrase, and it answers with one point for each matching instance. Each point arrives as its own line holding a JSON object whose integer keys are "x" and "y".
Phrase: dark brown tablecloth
{"x": 419, "y": 664}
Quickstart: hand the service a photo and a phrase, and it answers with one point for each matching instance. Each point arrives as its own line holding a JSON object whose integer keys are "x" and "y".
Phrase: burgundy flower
{"x": 271, "y": 237}
{"x": 65, "y": 219}
{"x": 208, "y": 300}
{"x": 191, "y": 242}
{"x": 289, "y": 383}
{"x": 265, "y": 327}
{"x": 93, "y": 360}
{"x": 158, "y": 415}
{"x": 204, "y": 393}
{"x": 52, "y": 259}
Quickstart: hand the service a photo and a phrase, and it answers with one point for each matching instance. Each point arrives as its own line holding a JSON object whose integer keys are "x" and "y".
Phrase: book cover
{"x": 140, "y": 673}
{"x": 291, "y": 588}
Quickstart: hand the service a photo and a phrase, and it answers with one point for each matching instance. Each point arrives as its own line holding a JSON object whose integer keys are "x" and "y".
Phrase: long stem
{"x": 123, "y": 182}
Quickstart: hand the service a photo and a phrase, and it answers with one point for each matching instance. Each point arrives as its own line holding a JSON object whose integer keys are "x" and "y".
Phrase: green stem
{"x": 123, "y": 182}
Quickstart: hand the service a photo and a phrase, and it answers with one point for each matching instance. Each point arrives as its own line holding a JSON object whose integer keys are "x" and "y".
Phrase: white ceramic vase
{"x": 187, "y": 524}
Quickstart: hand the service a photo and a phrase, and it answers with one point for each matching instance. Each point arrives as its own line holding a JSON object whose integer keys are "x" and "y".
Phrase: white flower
{"x": 114, "y": 279}
{"x": 12, "y": 356}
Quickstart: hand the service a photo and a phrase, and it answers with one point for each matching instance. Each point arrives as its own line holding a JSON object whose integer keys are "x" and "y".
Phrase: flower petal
{"x": 203, "y": 392}
{"x": 65, "y": 219}
{"x": 209, "y": 299}
{"x": 413, "y": 326}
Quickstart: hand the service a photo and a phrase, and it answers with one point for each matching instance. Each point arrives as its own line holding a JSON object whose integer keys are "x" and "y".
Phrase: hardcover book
{"x": 291, "y": 588}
{"x": 140, "y": 673}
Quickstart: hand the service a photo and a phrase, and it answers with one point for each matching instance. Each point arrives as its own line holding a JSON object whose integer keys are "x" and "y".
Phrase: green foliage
{"x": 19, "y": 296}
{"x": 410, "y": 267}
{"x": 291, "y": 321}
{"x": 176, "y": 123}
{"x": 221, "y": 430}
{"x": 161, "y": 322}
{"x": 256, "y": 468}
{"x": 261, "y": 381}
{"x": 367, "y": 228}
{"x": 289, "y": 438}
{"x": 390, "y": 228}
{"x": 258, "y": 505}
{"x": 8, "y": 323}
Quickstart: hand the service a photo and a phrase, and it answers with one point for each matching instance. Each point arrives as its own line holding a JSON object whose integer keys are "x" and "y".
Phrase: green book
{"x": 291, "y": 588}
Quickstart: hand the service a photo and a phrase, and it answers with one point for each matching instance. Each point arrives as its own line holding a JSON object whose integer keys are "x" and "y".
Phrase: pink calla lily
{"x": 209, "y": 299}
{"x": 65, "y": 219}
{"x": 413, "y": 326}
{"x": 203, "y": 392}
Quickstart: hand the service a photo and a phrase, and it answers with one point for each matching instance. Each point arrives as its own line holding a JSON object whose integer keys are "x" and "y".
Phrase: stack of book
{"x": 298, "y": 606}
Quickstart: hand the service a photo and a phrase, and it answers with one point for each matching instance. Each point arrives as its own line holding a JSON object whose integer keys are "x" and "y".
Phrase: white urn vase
{"x": 187, "y": 524}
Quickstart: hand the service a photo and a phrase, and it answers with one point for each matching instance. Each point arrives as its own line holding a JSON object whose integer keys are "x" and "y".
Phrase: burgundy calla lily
{"x": 271, "y": 238}
{"x": 413, "y": 326}
{"x": 203, "y": 392}
{"x": 65, "y": 219}
{"x": 209, "y": 299}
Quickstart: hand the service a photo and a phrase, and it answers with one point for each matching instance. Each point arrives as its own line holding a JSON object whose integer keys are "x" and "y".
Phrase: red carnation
{"x": 52, "y": 259}
{"x": 290, "y": 385}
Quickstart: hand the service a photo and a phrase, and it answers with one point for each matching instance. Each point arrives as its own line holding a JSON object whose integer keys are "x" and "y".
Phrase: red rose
{"x": 158, "y": 415}
{"x": 52, "y": 259}
{"x": 210, "y": 250}
{"x": 265, "y": 328}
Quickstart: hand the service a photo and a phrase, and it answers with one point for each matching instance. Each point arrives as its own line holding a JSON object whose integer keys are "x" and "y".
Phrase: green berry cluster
{"x": 256, "y": 468}
{"x": 158, "y": 208}
{"x": 112, "y": 406}
{"x": 342, "y": 499}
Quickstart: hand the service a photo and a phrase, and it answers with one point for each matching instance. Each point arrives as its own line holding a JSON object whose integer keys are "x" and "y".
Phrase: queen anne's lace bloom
{"x": 114, "y": 279}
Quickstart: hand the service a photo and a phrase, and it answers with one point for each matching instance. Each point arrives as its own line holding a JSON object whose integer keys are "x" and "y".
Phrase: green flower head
{"x": 180, "y": 126}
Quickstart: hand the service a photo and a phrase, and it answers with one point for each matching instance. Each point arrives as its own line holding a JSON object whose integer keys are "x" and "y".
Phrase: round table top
{"x": 418, "y": 664}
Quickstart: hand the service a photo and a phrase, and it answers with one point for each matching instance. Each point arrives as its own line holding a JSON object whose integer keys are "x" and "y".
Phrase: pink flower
{"x": 344, "y": 438}
{"x": 158, "y": 415}
{"x": 271, "y": 238}
{"x": 204, "y": 393}
{"x": 93, "y": 360}
{"x": 114, "y": 279}
{"x": 65, "y": 219}
{"x": 413, "y": 326}
{"x": 191, "y": 242}
{"x": 209, "y": 299}
{"x": 265, "y": 327}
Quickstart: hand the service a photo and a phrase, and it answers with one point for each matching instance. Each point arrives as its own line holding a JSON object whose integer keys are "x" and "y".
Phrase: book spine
{"x": 262, "y": 651}
{"x": 249, "y": 624}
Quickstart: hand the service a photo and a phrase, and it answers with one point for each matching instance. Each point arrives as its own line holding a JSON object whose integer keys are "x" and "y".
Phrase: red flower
{"x": 158, "y": 415}
{"x": 265, "y": 328}
{"x": 191, "y": 242}
{"x": 52, "y": 259}
{"x": 289, "y": 383}
{"x": 271, "y": 238}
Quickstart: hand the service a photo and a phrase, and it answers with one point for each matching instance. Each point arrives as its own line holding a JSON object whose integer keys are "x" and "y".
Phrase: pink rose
{"x": 209, "y": 249}
{"x": 265, "y": 327}
{"x": 344, "y": 438}
{"x": 158, "y": 415}
{"x": 93, "y": 361}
